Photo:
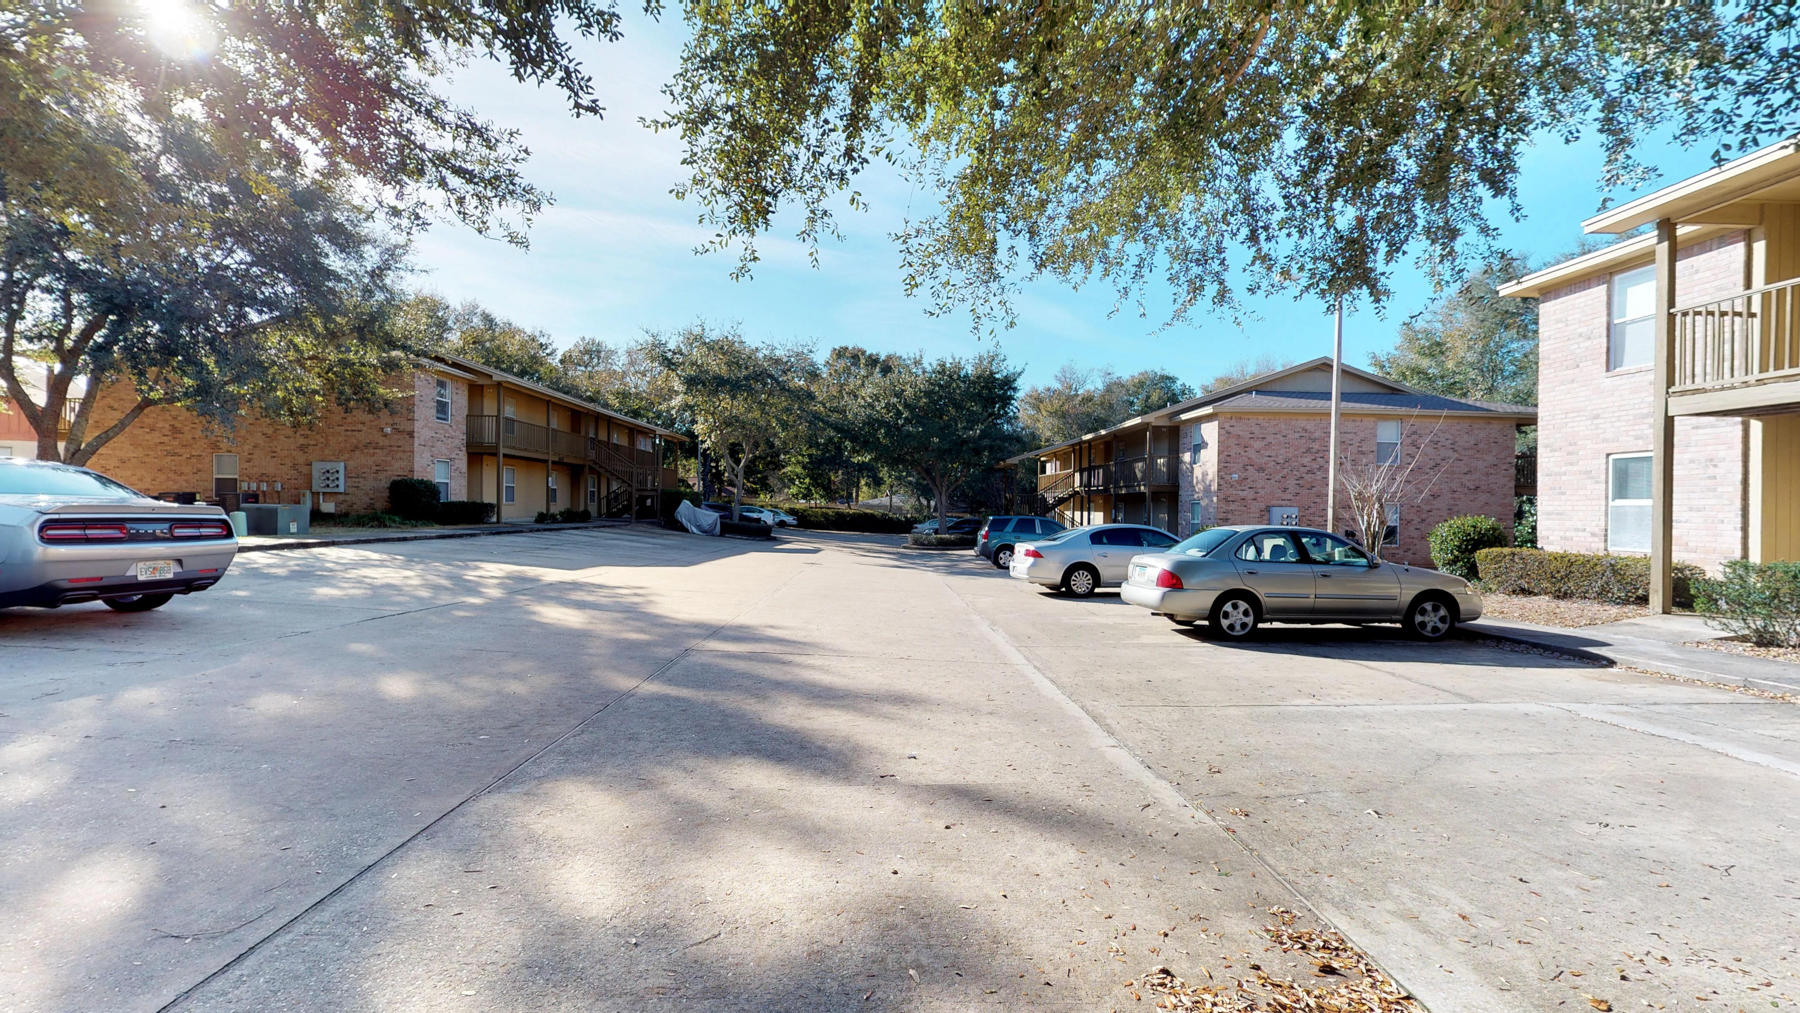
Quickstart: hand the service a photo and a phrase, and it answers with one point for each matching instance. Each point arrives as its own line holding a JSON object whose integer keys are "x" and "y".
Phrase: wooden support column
{"x": 1662, "y": 477}
{"x": 1149, "y": 470}
{"x": 499, "y": 452}
{"x": 549, "y": 453}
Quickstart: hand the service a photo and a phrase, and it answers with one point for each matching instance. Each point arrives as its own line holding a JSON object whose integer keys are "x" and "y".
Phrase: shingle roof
{"x": 1292, "y": 400}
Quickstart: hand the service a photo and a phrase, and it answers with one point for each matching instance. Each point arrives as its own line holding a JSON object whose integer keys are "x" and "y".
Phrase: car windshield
{"x": 37, "y": 481}
{"x": 1205, "y": 542}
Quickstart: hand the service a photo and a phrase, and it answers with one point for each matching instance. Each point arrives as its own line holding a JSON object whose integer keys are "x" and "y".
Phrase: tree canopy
{"x": 945, "y": 421}
{"x": 1079, "y": 401}
{"x": 1220, "y": 147}
{"x": 1472, "y": 343}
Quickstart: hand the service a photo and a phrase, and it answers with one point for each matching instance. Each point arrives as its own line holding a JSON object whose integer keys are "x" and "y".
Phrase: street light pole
{"x": 1337, "y": 402}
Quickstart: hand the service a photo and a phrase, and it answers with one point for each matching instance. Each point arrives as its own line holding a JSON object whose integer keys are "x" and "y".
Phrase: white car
{"x": 1081, "y": 560}
{"x": 769, "y": 515}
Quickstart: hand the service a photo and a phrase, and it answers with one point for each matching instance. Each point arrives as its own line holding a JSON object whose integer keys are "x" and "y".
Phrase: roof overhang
{"x": 1724, "y": 195}
{"x": 1628, "y": 253}
{"x": 476, "y": 371}
{"x": 1355, "y": 409}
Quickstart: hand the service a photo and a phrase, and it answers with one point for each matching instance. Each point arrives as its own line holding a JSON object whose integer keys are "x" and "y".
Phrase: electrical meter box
{"x": 328, "y": 476}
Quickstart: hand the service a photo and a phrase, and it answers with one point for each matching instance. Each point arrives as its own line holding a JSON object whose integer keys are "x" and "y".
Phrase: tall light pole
{"x": 1337, "y": 404}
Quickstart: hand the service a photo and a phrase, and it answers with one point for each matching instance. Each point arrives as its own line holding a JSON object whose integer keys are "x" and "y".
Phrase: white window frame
{"x": 1196, "y": 516}
{"x": 1387, "y": 451}
{"x": 550, "y": 489}
{"x": 1614, "y": 503}
{"x": 1390, "y": 535}
{"x": 593, "y": 489}
{"x": 1617, "y": 284}
{"x": 509, "y": 485}
{"x": 441, "y": 400}
{"x": 441, "y": 466}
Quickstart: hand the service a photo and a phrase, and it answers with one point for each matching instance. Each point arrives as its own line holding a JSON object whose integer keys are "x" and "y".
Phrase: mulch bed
{"x": 1556, "y": 611}
{"x": 1738, "y": 645}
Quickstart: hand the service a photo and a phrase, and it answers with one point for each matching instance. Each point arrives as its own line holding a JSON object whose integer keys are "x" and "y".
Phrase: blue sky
{"x": 614, "y": 256}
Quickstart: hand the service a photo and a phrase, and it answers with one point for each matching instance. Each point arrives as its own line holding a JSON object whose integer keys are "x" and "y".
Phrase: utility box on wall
{"x": 328, "y": 476}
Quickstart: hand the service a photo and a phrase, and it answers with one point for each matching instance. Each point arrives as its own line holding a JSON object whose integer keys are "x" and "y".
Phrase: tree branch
{"x": 86, "y": 453}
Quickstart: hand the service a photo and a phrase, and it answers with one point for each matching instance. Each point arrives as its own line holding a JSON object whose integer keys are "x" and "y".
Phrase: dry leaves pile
{"x": 1556, "y": 611}
{"x": 1347, "y": 981}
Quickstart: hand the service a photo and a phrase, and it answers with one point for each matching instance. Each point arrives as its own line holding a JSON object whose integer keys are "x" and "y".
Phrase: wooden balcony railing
{"x": 1159, "y": 468}
{"x": 1750, "y": 337}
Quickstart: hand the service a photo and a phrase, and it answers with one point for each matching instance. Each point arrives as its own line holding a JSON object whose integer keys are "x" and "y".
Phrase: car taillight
{"x": 1030, "y": 553}
{"x": 984, "y": 534}
{"x": 1167, "y": 578}
{"x": 62, "y": 532}
{"x": 198, "y": 529}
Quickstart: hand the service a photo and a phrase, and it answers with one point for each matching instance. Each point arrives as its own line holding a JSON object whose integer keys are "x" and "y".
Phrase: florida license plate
{"x": 159, "y": 569}
{"x": 1138, "y": 573}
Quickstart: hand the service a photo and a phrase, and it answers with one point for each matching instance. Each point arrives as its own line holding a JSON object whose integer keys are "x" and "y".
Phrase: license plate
{"x": 1138, "y": 573}
{"x": 160, "y": 569}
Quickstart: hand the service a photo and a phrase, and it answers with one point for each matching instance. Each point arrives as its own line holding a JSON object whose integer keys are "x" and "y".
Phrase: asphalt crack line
{"x": 506, "y": 775}
{"x": 1610, "y": 717}
{"x": 1135, "y": 769}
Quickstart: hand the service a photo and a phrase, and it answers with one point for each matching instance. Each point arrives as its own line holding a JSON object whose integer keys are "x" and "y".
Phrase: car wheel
{"x": 1081, "y": 580}
{"x": 138, "y": 602}
{"x": 1003, "y": 557}
{"x": 1430, "y": 618}
{"x": 1234, "y": 616}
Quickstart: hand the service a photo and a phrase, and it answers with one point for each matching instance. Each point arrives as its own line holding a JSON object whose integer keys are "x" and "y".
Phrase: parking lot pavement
{"x": 584, "y": 770}
{"x": 1504, "y": 831}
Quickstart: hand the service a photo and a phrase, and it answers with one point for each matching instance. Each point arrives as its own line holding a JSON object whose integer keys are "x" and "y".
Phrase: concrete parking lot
{"x": 622, "y": 769}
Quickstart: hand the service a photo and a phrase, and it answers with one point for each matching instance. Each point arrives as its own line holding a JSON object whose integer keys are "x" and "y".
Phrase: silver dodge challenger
{"x": 1238, "y": 577}
{"x": 71, "y": 535}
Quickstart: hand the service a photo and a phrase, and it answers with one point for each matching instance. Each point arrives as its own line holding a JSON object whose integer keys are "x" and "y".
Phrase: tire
{"x": 1003, "y": 556}
{"x": 1430, "y": 617}
{"x": 1081, "y": 580}
{"x": 1234, "y": 616}
{"x": 138, "y": 602}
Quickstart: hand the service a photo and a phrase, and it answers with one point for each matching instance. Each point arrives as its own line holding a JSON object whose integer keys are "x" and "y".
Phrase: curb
{"x": 937, "y": 548}
{"x": 401, "y": 535}
{"x": 1625, "y": 657}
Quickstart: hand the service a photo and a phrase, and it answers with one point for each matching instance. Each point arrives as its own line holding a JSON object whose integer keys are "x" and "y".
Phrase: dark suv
{"x": 997, "y": 536}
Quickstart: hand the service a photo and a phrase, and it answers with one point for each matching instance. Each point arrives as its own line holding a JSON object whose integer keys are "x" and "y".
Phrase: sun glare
{"x": 178, "y": 27}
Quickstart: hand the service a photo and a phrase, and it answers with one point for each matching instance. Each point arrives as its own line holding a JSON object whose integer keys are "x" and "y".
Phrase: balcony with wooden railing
{"x": 1739, "y": 354}
{"x": 491, "y": 433}
{"x": 1135, "y": 474}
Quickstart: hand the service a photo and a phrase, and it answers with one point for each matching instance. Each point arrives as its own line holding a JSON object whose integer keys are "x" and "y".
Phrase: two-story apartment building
{"x": 1669, "y": 374}
{"x": 478, "y": 433}
{"x": 1258, "y": 453}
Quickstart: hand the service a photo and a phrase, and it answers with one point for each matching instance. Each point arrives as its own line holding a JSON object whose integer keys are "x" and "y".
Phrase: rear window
{"x": 39, "y": 481}
{"x": 1062, "y": 536}
{"x": 1205, "y": 542}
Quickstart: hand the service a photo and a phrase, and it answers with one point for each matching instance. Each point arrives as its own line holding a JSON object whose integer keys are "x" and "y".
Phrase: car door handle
{"x": 1322, "y": 575}
{"x": 1251, "y": 573}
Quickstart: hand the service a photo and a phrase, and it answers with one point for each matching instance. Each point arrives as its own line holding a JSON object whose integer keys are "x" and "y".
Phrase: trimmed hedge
{"x": 942, "y": 541}
{"x": 464, "y": 511}
{"x": 1455, "y": 542}
{"x": 866, "y": 521}
{"x": 415, "y": 499}
{"x": 374, "y": 520}
{"x": 1757, "y": 601}
{"x": 1617, "y": 580}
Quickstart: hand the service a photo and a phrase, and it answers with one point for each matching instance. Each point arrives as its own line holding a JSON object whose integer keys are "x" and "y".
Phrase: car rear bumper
{"x": 63, "y": 592}
{"x": 67, "y": 574}
{"x": 1038, "y": 571}
{"x": 1183, "y": 603}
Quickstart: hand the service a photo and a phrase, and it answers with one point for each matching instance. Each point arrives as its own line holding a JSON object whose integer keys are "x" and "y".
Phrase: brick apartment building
{"x": 1256, "y": 453}
{"x": 1669, "y": 374}
{"x": 478, "y": 433}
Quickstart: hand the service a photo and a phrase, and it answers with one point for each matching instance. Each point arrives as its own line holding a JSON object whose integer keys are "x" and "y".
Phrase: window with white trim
{"x": 1631, "y": 340}
{"x": 1390, "y": 535}
{"x": 1628, "y": 502}
{"x": 550, "y": 488}
{"x": 593, "y": 489}
{"x": 441, "y": 402}
{"x": 440, "y": 477}
{"x": 1387, "y": 441}
{"x": 510, "y": 483}
{"x": 1197, "y": 514}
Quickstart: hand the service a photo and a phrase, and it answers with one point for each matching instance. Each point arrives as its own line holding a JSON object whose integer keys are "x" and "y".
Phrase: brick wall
{"x": 1280, "y": 460}
{"x": 434, "y": 440}
{"x": 170, "y": 449}
{"x": 1198, "y": 476}
{"x": 1586, "y": 414}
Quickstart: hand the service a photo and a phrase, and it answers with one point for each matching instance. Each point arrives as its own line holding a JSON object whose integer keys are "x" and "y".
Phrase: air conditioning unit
{"x": 328, "y": 476}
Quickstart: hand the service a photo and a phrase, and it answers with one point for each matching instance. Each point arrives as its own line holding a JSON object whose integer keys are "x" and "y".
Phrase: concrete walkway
{"x": 1654, "y": 644}
{"x": 328, "y": 538}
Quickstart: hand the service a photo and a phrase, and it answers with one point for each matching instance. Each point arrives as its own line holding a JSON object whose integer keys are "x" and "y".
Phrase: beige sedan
{"x": 1236, "y": 578}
